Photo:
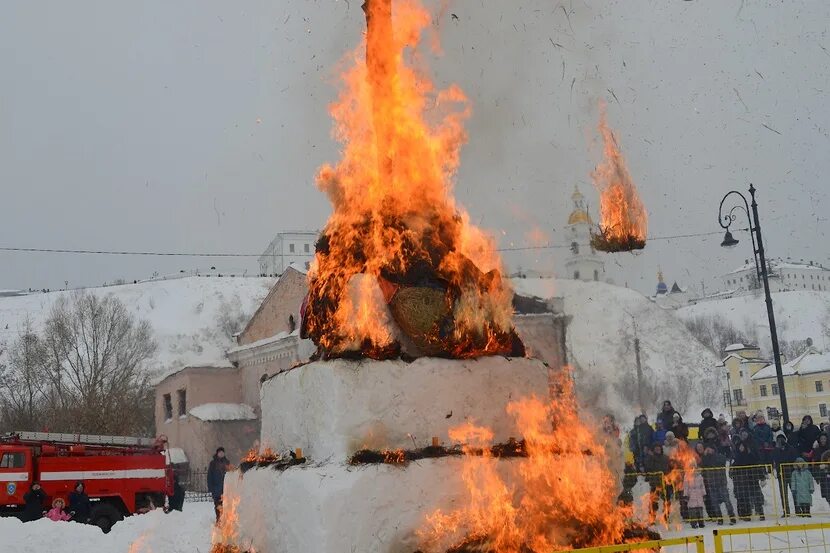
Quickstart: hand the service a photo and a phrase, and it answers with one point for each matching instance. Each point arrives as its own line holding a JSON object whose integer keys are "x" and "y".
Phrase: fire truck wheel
{"x": 104, "y": 516}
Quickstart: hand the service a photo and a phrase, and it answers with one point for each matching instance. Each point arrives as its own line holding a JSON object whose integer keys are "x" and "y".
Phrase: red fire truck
{"x": 122, "y": 475}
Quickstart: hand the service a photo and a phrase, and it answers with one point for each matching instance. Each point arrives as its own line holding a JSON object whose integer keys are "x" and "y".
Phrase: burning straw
{"x": 624, "y": 221}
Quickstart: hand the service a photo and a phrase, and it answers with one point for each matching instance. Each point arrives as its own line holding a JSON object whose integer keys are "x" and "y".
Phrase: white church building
{"x": 583, "y": 262}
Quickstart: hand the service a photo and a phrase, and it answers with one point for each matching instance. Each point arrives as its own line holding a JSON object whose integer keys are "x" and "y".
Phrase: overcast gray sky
{"x": 199, "y": 125}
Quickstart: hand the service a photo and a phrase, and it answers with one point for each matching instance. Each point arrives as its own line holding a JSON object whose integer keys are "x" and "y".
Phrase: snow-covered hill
{"x": 798, "y": 315}
{"x": 605, "y": 321}
{"x": 185, "y": 314}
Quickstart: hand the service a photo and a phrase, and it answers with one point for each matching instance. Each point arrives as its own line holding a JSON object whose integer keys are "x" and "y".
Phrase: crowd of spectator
{"x": 748, "y": 450}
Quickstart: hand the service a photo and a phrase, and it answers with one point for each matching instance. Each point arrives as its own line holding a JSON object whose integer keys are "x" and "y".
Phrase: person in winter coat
{"x": 783, "y": 456}
{"x": 695, "y": 492}
{"x": 655, "y": 464}
{"x": 629, "y": 480}
{"x": 707, "y": 421}
{"x": 79, "y": 505}
{"x": 715, "y": 483}
{"x": 735, "y": 429}
{"x": 822, "y": 476}
{"x": 175, "y": 502}
{"x": 33, "y": 499}
{"x": 670, "y": 444}
{"x": 666, "y": 415}
{"x": 724, "y": 441}
{"x": 817, "y": 453}
{"x": 764, "y": 440}
{"x": 807, "y": 436}
{"x": 659, "y": 436}
{"x": 642, "y": 435}
{"x": 679, "y": 428}
{"x": 700, "y": 450}
{"x": 803, "y": 486}
{"x": 710, "y": 437}
{"x": 216, "y": 479}
{"x": 746, "y": 477}
{"x": 57, "y": 513}
{"x": 776, "y": 431}
{"x": 790, "y": 433}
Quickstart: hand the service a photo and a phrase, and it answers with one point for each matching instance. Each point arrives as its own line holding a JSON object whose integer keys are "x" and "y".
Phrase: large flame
{"x": 566, "y": 492}
{"x": 394, "y": 218}
{"x": 624, "y": 221}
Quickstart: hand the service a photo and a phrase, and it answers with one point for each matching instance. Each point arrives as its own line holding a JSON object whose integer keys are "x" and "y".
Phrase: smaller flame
{"x": 624, "y": 221}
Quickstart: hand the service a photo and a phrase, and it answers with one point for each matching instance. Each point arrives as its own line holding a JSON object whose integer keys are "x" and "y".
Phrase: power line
{"x": 228, "y": 254}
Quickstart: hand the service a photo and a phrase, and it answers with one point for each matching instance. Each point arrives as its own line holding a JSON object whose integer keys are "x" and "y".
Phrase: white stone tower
{"x": 583, "y": 262}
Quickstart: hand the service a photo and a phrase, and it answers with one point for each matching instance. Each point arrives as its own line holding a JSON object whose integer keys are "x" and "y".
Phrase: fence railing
{"x": 194, "y": 482}
{"x": 808, "y": 538}
{"x": 694, "y": 541}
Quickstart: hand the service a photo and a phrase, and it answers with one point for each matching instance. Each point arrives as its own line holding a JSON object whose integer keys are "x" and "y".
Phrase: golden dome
{"x": 579, "y": 216}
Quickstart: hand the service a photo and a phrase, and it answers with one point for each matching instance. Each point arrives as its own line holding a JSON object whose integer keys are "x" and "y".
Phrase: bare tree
{"x": 22, "y": 383}
{"x": 231, "y": 319}
{"x": 95, "y": 357}
{"x": 716, "y": 333}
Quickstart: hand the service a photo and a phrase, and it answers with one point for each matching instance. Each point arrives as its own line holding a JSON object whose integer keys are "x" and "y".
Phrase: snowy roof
{"x": 175, "y": 456}
{"x": 779, "y": 264}
{"x": 809, "y": 362}
{"x": 738, "y": 347}
{"x": 224, "y": 412}
{"x": 265, "y": 341}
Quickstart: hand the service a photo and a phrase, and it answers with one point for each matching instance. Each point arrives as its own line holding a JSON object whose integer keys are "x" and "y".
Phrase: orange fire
{"x": 624, "y": 221}
{"x": 225, "y": 535}
{"x": 567, "y": 493}
{"x": 395, "y": 224}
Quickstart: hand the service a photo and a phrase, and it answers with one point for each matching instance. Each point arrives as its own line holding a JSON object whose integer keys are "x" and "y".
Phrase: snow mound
{"x": 605, "y": 320}
{"x": 185, "y": 532}
{"x": 224, "y": 412}
{"x": 185, "y": 314}
{"x": 799, "y": 315}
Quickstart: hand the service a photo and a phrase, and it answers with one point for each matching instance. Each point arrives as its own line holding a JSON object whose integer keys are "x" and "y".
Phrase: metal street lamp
{"x": 725, "y": 221}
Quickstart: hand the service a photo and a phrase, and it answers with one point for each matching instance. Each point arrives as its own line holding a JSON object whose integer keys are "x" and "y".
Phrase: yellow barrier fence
{"x": 806, "y": 538}
{"x": 804, "y": 489}
{"x": 689, "y": 541}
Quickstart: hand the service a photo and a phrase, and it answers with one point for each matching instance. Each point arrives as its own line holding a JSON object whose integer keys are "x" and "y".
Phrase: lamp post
{"x": 725, "y": 221}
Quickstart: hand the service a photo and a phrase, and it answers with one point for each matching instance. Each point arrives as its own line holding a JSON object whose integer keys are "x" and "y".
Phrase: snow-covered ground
{"x": 155, "y": 532}
{"x": 798, "y": 315}
{"x": 605, "y": 321}
{"x": 185, "y": 314}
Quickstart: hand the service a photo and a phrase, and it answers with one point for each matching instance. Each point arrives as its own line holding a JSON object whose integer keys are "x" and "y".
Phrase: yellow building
{"x": 807, "y": 382}
{"x": 742, "y": 361}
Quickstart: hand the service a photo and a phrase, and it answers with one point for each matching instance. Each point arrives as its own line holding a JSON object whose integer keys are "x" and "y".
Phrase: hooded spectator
{"x": 707, "y": 421}
{"x": 802, "y": 486}
{"x": 640, "y": 437}
{"x": 670, "y": 444}
{"x": 744, "y": 419}
{"x": 717, "y": 490}
{"x": 34, "y": 499}
{"x": 679, "y": 428}
{"x": 724, "y": 441}
{"x": 790, "y": 433}
{"x": 807, "y": 435}
{"x": 710, "y": 436}
{"x": 666, "y": 415}
{"x": 216, "y": 479}
{"x": 656, "y": 465}
{"x": 762, "y": 434}
{"x": 746, "y": 474}
{"x": 694, "y": 492}
{"x": 57, "y": 513}
{"x": 820, "y": 448}
{"x": 79, "y": 505}
{"x": 783, "y": 456}
{"x": 776, "y": 430}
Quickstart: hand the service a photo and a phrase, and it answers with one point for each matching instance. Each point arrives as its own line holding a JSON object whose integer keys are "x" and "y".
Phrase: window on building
{"x": 182, "y": 397}
{"x": 576, "y": 275}
{"x": 741, "y": 374}
{"x": 574, "y": 248}
{"x": 726, "y": 398}
{"x": 596, "y": 275}
{"x": 822, "y": 409}
{"x": 819, "y": 386}
{"x": 306, "y": 248}
{"x": 763, "y": 390}
{"x": 775, "y": 389}
{"x": 168, "y": 407}
{"x": 738, "y": 394}
{"x": 291, "y": 248}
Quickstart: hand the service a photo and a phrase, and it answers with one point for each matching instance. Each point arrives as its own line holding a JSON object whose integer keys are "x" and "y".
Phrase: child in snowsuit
{"x": 802, "y": 486}
{"x": 694, "y": 492}
{"x": 57, "y": 513}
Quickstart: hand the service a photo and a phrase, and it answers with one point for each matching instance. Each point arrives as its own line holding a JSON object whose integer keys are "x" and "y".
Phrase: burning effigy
{"x": 424, "y": 427}
{"x": 624, "y": 221}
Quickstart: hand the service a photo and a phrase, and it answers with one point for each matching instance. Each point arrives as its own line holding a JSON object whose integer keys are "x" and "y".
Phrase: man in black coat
{"x": 641, "y": 437}
{"x": 34, "y": 499}
{"x": 707, "y": 421}
{"x": 714, "y": 480}
{"x": 175, "y": 502}
{"x": 79, "y": 506}
{"x": 783, "y": 457}
{"x": 216, "y": 479}
{"x": 807, "y": 435}
{"x": 666, "y": 415}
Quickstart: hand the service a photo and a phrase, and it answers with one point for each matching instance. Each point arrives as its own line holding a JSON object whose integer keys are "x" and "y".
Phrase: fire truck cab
{"x": 121, "y": 475}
